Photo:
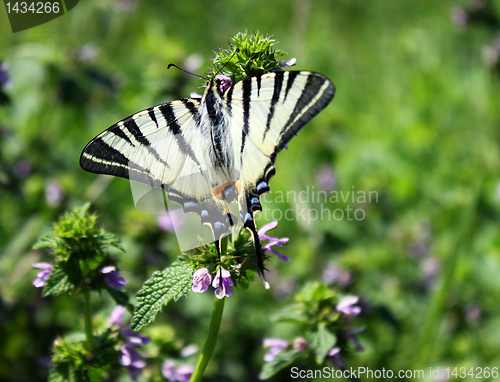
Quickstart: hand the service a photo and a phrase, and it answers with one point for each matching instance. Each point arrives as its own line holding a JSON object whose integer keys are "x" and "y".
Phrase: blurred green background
{"x": 415, "y": 118}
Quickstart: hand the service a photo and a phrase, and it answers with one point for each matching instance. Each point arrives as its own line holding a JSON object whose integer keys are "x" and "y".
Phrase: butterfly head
{"x": 221, "y": 83}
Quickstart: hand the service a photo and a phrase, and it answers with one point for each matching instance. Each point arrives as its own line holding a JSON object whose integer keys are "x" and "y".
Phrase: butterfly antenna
{"x": 228, "y": 61}
{"x": 184, "y": 70}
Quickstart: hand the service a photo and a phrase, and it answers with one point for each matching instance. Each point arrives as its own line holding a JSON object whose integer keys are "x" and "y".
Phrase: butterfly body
{"x": 208, "y": 153}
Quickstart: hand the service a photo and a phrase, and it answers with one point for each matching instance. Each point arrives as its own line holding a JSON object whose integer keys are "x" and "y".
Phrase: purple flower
{"x": 134, "y": 339}
{"x": 326, "y": 178}
{"x": 225, "y": 82}
{"x": 171, "y": 220}
{"x": 201, "y": 280}
{"x": 189, "y": 350}
{"x": 334, "y": 273}
{"x": 473, "y": 313}
{"x": 168, "y": 370}
{"x": 276, "y": 345}
{"x": 430, "y": 268}
{"x": 43, "y": 275}
{"x": 334, "y": 357}
{"x": 181, "y": 373}
{"x": 132, "y": 360}
{"x": 223, "y": 290}
{"x": 459, "y": 17}
{"x": 346, "y": 306}
{"x": 112, "y": 278}
{"x": 22, "y": 169}
{"x": 4, "y": 78}
{"x": 54, "y": 193}
{"x": 273, "y": 240}
{"x": 116, "y": 315}
{"x": 290, "y": 62}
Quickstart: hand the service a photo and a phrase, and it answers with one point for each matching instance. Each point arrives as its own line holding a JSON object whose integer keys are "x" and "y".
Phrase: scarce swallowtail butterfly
{"x": 208, "y": 153}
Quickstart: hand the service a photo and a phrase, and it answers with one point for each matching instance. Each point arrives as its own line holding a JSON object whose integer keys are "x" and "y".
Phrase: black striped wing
{"x": 152, "y": 146}
{"x": 267, "y": 112}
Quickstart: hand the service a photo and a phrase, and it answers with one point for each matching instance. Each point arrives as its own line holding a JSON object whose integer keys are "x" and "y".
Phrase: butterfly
{"x": 208, "y": 153}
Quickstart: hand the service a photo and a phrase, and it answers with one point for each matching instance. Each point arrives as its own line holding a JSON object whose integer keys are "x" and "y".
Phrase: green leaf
{"x": 283, "y": 359}
{"x": 59, "y": 373}
{"x": 321, "y": 341}
{"x": 45, "y": 241}
{"x": 95, "y": 374}
{"x": 65, "y": 276}
{"x": 63, "y": 372}
{"x": 173, "y": 283}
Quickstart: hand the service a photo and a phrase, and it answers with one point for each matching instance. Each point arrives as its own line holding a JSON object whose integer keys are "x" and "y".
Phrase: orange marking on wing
{"x": 219, "y": 190}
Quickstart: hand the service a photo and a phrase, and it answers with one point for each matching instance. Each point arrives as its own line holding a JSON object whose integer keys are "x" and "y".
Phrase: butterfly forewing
{"x": 273, "y": 107}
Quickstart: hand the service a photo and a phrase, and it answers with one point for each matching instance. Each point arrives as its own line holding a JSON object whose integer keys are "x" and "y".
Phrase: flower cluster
{"x": 131, "y": 359}
{"x": 347, "y": 308}
{"x": 43, "y": 275}
{"x": 222, "y": 281}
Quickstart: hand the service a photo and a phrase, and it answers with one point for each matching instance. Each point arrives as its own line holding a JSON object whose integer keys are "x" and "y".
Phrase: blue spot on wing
{"x": 262, "y": 186}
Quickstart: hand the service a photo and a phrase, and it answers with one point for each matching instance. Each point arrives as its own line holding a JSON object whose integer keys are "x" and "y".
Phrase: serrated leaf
{"x": 171, "y": 284}
{"x": 283, "y": 359}
{"x": 63, "y": 372}
{"x": 321, "y": 341}
{"x": 45, "y": 241}
{"x": 59, "y": 373}
{"x": 65, "y": 276}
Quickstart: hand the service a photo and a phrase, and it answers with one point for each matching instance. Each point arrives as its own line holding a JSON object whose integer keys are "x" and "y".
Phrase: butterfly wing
{"x": 267, "y": 112}
{"x": 162, "y": 147}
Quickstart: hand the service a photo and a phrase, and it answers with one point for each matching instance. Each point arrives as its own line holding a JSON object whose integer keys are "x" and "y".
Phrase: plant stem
{"x": 211, "y": 341}
{"x": 88, "y": 319}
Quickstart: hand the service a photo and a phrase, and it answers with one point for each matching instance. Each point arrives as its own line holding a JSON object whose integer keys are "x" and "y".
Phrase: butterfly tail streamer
{"x": 258, "y": 251}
